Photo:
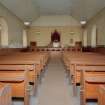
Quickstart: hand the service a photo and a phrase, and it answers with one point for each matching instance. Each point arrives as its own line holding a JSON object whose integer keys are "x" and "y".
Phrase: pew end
{"x": 5, "y": 95}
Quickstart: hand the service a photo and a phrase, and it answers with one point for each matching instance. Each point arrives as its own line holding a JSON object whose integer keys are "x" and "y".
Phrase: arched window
{"x": 24, "y": 38}
{"x": 94, "y": 36}
{"x": 85, "y": 38}
{"x": 3, "y": 32}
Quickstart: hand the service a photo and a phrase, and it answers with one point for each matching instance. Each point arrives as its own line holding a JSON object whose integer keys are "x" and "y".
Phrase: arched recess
{"x": 3, "y": 32}
{"x": 94, "y": 36}
{"x": 85, "y": 38}
{"x": 24, "y": 38}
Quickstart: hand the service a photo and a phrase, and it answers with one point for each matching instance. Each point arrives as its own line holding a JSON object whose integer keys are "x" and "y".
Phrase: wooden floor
{"x": 55, "y": 88}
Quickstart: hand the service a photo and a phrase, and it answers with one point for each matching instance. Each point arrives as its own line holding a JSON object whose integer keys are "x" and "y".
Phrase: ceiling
{"x": 26, "y": 10}
{"x": 51, "y": 7}
{"x": 29, "y": 10}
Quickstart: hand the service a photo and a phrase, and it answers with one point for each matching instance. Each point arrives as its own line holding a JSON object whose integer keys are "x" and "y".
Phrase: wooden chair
{"x": 5, "y": 95}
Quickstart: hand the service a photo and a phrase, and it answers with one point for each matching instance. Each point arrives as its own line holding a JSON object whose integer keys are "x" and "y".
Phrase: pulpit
{"x": 55, "y": 39}
{"x": 56, "y": 44}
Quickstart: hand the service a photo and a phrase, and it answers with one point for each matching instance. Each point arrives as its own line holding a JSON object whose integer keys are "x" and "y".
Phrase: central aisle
{"x": 54, "y": 89}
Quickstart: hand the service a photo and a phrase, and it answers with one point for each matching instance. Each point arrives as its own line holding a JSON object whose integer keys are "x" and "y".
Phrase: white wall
{"x": 67, "y": 26}
{"x": 99, "y": 21}
{"x": 15, "y": 26}
{"x": 56, "y": 20}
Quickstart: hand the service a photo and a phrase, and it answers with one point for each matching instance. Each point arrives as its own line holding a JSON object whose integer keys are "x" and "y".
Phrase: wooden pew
{"x": 75, "y": 72}
{"x": 5, "y": 95}
{"x": 67, "y": 57}
{"x": 83, "y": 60}
{"x": 91, "y": 78}
{"x": 40, "y": 60}
{"x": 37, "y": 60}
{"x": 23, "y": 60}
{"x": 17, "y": 77}
{"x": 101, "y": 95}
{"x": 15, "y": 61}
{"x": 75, "y": 59}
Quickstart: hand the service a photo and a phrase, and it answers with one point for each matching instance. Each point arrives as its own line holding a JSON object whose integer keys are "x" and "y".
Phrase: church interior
{"x": 52, "y": 52}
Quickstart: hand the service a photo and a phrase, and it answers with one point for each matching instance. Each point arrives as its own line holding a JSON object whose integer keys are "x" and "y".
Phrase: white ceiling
{"x": 28, "y": 10}
{"x": 86, "y": 8}
{"x": 51, "y": 7}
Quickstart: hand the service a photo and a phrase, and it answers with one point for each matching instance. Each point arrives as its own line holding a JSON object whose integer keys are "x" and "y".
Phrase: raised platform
{"x": 56, "y": 49}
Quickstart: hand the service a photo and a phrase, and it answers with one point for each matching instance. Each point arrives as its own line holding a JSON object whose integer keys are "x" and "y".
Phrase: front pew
{"x": 17, "y": 77}
{"x": 36, "y": 60}
{"x": 91, "y": 78}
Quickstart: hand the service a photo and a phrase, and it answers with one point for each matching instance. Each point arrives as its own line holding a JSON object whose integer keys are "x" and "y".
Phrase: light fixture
{"x": 83, "y": 21}
{"x": 26, "y": 23}
{"x": 71, "y": 33}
